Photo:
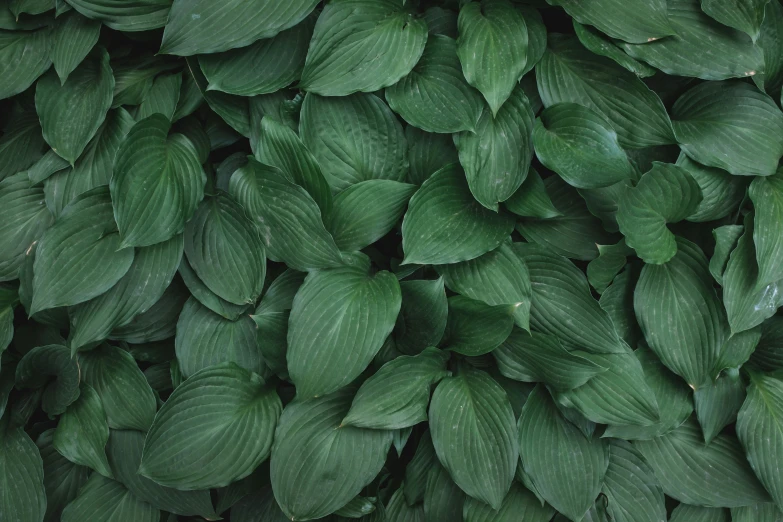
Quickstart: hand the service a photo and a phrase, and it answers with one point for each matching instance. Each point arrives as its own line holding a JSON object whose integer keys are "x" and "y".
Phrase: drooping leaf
{"x": 50, "y": 367}
{"x": 82, "y": 432}
{"x": 595, "y": 42}
{"x": 638, "y": 21}
{"x": 137, "y": 16}
{"x": 745, "y": 16}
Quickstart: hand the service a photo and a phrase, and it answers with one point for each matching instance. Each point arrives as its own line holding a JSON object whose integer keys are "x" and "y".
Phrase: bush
{"x": 391, "y": 260}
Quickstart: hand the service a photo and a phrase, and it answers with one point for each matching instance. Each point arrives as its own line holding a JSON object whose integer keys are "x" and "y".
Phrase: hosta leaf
{"x": 434, "y": 96}
{"x": 638, "y": 21}
{"x": 50, "y": 367}
{"x": 423, "y": 315}
{"x": 531, "y": 199}
{"x": 718, "y": 402}
{"x": 519, "y": 504}
{"x": 581, "y": 146}
{"x": 767, "y": 197}
{"x": 137, "y": 16}
{"x": 100, "y": 492}
{"x": 365, "y": 212}
{"x": 207, "y": 297}
{"x": 680, "y": 315}
{"x": 262, "y": 67}
{"x": 428, "y": 153}
{"x": 339, "y": 320}
{"x": 714, "y": 475}
{"x": 72, "y": 39}
{"x": 498, "y": 277}
{"x": 595, "y": 42}
{"x": 745, "y": 16}
{"x": 474, "y": 328}
{"x": 22, "y": 144}
{"x": 258, "y": 505}
{"x": 771, "y": 42}
{"x": 767, "y": 512}
{"x": 473, "y": 432}
{"x": 219, "y": 408}
{"x": 537, "y": 357}
{"x": 768, "y": 355}
{"x": 362, "y": 45}
{"x": 71, "y": 113}
{"x": 157, "y": 323}
{"x": 22, "y": 473}
{"x": 79, "y": 257}
{"x": 205, "y": 339}
{"x": 721, "y": 192}
{"x": 23, "y": 219}
{"x": 726, "y": 238}
{"x": 398, "y": 394}
{"x": 688, "y": 513}
{"x": 418, "y": 469}
{"x": 611, "y": 260}
{"x": 700, "y": 47}
{"x": 225, "y": 250}
{"x": 665, "y": 194}
{"x": 127, "y": 399}
{"x": 162, "y": 98}
{"x": 62, "y": 478}
{"x": 630, "y": 486}
{"x": 497, "y": 156}
{"x": 570, "y": 484}
{"x": 397, "y": 510}
{"x": 24, "y": 56}
{"x": 556, "y": 281}
{"x": 444, "y": 224}
{"x": 353, "y": 138}
{"x": 157, "y": 183}
{"x": 47, "y": 165}
{"x": 575, "y": 232}
{"x": 760, "y": 428}
{"x": 443, "y": 499}
{"x": 569, "y": 73}
{"x": 492, "y": 48}
{"x": 199, "y": 27}
{"x": 730, "y": 125}
{"x": 311, "y": 449}
{"x": 82, "y": 432}
{"x": 142, "y": 286}
{"x": 288, "y": 217}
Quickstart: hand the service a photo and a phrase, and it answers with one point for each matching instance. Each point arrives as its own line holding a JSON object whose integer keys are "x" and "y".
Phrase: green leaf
{"x": 435, "y": 96}
{"x": 205, "y": 339}
{"x": 126, "y": 396}
{"x": 680, "y": 315}
{"x": 32, "y": 7}
{"x": 202, "y": 26}
{"x": 444, "y": 224}
{"x": 475, "y": 328}
{"x": 50, "y": 163}
{"x": 311, "y": 449}
{"x": 263, "y": 67}
{"x": 688, "y": 513}
{"x": 665, "y": 194}
{"x": 760, "y": 429}
{"x": 137, "y": 16}
{"x": 637, "y": 21}
{"x": 492, "y": 48}
{"x": 24, "y": 56}
{"x": 398, "y": 394}
{"x": 537, "y": 357}
{"x": 569, "y": 73}
{"x": 498, "y": 277}
{"x": 72, "y": 113}
{"x": 672, "y": 395}
{"x": 142, "y": 286}
{"x": 124, "y": 451}
{"x": 100, "y": 492}
{"x": 519, "y": 504}
{"x": 220, "y": 407}
{"x": 619, "y": 395}
{"x": 397, "y": 510}
{"x": 581, "y": 146}
{"x": 575, "y": 232}
{"x": 50, "y": 367}
{"x": 22, "y": 473}
{"x": 767, "y": 197}
{"x": 758, "y": 513}
{"x": 82, "y": 432}
{"x": 428, "y": 153}
{"x": 157, "y": 323}
{"x": 207, "y": 297}
{"x": 418, "y": 470}
{"x": 562, "y": 305}
{"x": 339, "y": 320}
{"x": 771, "y": 42}
{"x": 162, "y": 97}
{"x": 443, "y": 499}
{"x": 721, "y": 192}
{"x": 258, "y": 505}
{"x": 441, "y": 21}
{"x": 730, "y": 125}
{"x": 423, "y": 315}
{"x": 473, "y": 432}
{"x": 700, "y": 47}
{"x": 745, "y": 16}
{"x": 611, "y": 260}
{"x": 157, "y": 183}
{"x": 79, "y": 257}
{"x": 531, "y": 199}
{"x": 353, "y": 138}
{"x": 714, "y": 475}
{"x": 62, "y": 478}
{"x": 726, "y": 238}
{"x": 747, "y": 303}
{"x": 73, "y": 36}
{"x": 22, "y": 143}
{"x": 630, "y": 486}
{"x": 497, "y": 156}
{"x": 768, "y": 355}
{"x": 595, "y": 42}
{"x": 566, "y": 467}
{"x": 718, "y": 402}
{"x": 365, "y": 212}
{"x": 225, "y": 250}
{"x": 362, "y": 46}
{"x": 23, "y": 220}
